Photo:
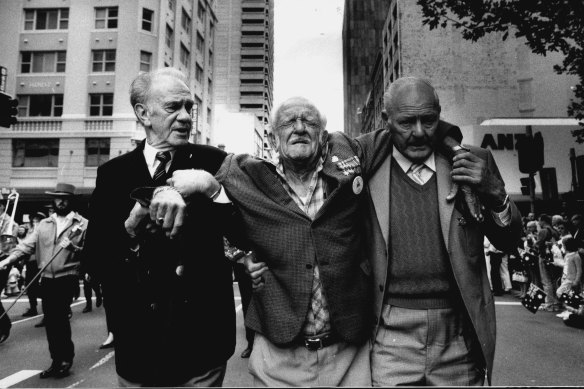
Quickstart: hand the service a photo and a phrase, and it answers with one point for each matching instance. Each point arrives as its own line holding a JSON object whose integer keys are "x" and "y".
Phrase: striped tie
{"x": 159, "y": 176}
{"x": 416, "y": 173}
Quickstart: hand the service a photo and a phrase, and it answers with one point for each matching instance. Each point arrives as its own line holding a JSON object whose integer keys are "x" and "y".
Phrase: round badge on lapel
{"x": 357, "y": 185}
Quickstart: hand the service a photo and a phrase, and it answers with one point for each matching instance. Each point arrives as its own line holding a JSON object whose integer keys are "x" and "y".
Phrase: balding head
{"x": 406, "y": 85}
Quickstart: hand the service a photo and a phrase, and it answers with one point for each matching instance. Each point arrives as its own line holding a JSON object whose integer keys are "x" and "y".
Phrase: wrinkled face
{"x": 62, "y": 206}
{"x": 297, "y": 134}
{"x": 413, "y": 120}
{"x": 167, "y": 113}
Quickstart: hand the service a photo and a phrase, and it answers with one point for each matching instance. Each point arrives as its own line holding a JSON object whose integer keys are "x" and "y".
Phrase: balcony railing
{"x": 56, "y": 125}
{"x": 37, "y": 125}
{"x": 99, "y": 125}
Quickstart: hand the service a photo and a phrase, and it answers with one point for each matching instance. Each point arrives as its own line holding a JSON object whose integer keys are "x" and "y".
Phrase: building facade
{"x": 491, "y": 88}
{"x": 245, "y": 71}
{"x": 362, "y": 26}
{"x": 70, "y": 64}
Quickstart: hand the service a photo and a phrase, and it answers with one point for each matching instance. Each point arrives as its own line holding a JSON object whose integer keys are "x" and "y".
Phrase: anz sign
{"x": 502, "y": 141}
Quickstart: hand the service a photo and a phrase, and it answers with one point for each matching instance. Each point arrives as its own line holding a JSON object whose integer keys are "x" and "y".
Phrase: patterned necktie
{"x": 159, "y": 176}
{"x": 416, "y": 173}
{"x": 320, "y": 317}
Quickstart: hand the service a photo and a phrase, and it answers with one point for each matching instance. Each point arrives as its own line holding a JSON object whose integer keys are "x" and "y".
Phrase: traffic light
{"x": 530, "y": 153}
{"x": 525, "y": 185}
{"x": 8, "y": 110}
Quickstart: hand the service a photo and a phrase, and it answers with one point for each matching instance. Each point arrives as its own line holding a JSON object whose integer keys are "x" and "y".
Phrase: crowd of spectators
{"x": 549, "y": 256}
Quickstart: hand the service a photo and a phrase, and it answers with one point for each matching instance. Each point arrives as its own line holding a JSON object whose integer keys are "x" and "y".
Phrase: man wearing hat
{"x": 56, "y": 242}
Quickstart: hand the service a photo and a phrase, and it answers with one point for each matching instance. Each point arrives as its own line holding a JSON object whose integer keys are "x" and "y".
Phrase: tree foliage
{"x": 547, "y": 26}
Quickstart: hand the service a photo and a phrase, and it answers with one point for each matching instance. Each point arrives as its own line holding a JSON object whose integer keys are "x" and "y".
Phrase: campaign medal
{"x": 357, "y": 185}
{"x": 349, "y": 166}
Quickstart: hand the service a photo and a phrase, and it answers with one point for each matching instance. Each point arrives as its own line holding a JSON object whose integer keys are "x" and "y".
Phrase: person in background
{"x": 57, "y": 240}
{"x": 572, "y": 271}
{"x": 546, "y": 237}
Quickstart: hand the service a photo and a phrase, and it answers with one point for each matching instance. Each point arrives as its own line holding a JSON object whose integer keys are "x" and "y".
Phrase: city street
{"x": 532, "y": 350}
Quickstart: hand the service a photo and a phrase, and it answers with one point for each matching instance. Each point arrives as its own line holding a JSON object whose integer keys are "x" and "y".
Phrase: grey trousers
{"x": 425, "y": 347}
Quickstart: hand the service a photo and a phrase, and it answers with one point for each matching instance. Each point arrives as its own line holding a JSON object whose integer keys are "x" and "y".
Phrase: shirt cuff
{"x": 503, "y": 218}
{"x": 222, "y": 197}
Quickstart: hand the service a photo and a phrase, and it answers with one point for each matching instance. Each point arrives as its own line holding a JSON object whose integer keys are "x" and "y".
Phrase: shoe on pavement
{"x": 98, "y": 301}
{"x": 50, "y": 372}
{"x": 4, "y": 336}
{"x": 57, "y": 370}
{"x": 246, "y": 353}
{"x": 87, "y": 308}
{"x": 109, "y": 342}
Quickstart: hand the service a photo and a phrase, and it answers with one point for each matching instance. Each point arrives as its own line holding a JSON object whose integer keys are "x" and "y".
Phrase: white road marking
{"x": 507, "y": 303}
{"x": 103, "y": 360}
{"x": 76, "y": 383}
{"x": 238, "y": 308}
{"x": 18, "y": 377}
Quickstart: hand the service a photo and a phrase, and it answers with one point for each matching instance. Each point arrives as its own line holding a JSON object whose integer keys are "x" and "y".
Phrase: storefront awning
{"x": 531, "y": 121}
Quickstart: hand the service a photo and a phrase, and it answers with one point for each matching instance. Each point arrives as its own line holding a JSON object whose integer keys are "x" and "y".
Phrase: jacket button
{"x": 308, "y": 266}
{"x": 381, "y": 288}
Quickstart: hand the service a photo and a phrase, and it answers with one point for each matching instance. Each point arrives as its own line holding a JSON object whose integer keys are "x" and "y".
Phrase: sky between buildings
{"x": 308, "y": 55}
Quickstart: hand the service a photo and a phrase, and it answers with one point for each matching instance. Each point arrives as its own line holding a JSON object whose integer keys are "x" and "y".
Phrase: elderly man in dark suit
{"x": 169, "y": 295}
{"x": 434, "y": 309}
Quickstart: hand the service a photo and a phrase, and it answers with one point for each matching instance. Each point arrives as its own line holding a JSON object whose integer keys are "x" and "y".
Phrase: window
{"x": 252, "y": 44}
{"x": 186, "y": 21}
{"x": 145, "y": 61}
{"x": 199, "y": 74}
{"x": 147, "y": 19}
{"x": 169, "y": 36}
{"x": 211, "y": 30}
{"x": 46, "y": 19}
{"x": 185, "y": 56}
{"x": 40, "y": 105}
{"x": 103, "y": 61}
{"x": 106, "y": 17}
{"x": 42, "y": 61}
{"x": 209, "y": 117}
{"x": 97, "y": 151}
{"x": 200, "y": 43}
{"x": 209, "y": 86}
{"x": 210, "y": 59}
{"x": 171, "y": 4}
{"x": 35, "y": 152}
{"x": 101, "y": 104}
{"x": 252, "y": 33}
{"x": 201, "y": 12}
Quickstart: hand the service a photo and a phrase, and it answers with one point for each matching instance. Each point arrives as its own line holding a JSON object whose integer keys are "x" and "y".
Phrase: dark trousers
{"x": 88, "y": 288}
{"x": 496, "y": 259}
{"x": 32, "y": 292}
{"x": 57, "y": 296}
{"x": 5, "y": 323}
{"x": 245, "y": 290}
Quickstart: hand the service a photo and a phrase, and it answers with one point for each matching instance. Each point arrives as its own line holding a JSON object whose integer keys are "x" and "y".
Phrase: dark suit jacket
{"x": 462, "y": 236}
{"x": 168, "y": 328}
{"x": 291, "y": 243}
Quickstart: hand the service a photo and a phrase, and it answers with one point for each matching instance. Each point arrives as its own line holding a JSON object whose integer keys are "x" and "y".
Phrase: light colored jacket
{"x": 44, "y": 243}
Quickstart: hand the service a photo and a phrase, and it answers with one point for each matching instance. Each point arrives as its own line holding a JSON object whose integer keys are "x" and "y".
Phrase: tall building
{"x": 492, "y": 89}
{"x": 362, "y": 26}
{"x": 245, "y": 70}
{"x": 70, "y": 64}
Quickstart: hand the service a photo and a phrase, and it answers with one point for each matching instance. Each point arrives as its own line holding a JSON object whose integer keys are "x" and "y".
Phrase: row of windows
{"x": 100, "y": 104}
{"x": 54, "y": 61}
{"x": 51, "y": 105}
{"x": 105, "y": 18}
{"x": 45, "y": 152}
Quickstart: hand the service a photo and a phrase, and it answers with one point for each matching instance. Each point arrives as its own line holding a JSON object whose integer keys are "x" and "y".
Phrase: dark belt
{"x": 318, "y": 342}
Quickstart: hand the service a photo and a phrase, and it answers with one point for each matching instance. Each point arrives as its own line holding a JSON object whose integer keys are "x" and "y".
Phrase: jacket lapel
{"x": 444, "y": 182}
{"x": 266, "y": 179}
{"x": 379, "y": 189}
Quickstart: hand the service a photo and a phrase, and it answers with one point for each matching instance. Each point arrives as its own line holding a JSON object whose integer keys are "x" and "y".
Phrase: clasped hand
{"x": 166, "y": 211}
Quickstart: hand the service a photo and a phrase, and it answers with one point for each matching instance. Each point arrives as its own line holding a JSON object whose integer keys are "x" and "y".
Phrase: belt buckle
{"x": 313, "y": 344}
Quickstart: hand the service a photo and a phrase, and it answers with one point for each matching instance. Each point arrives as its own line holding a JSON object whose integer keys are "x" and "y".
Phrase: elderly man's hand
{"x": 138, "y": 220}
{"x": 189, "y": 182}
{"x": 255, "y": 270}
{"x": 168, "y": 209}
{"x": 470, "y": 169}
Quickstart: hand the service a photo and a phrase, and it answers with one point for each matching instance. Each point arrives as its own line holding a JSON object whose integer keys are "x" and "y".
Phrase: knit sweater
{"x": 419, "y": 271}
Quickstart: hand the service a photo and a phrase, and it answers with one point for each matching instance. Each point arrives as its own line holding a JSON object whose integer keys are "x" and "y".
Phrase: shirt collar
{"x": 150, "y": 154}
{"x": 405, "y": 163}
